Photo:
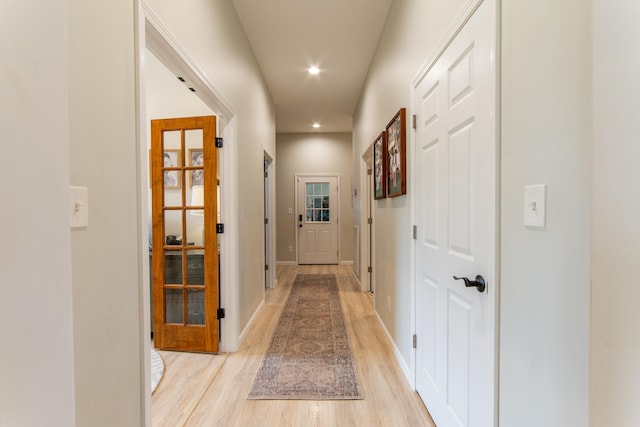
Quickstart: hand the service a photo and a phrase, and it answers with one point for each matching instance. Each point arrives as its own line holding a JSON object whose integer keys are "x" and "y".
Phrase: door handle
{"x": 479, "y": 283}
{"x": 300, "y": 217}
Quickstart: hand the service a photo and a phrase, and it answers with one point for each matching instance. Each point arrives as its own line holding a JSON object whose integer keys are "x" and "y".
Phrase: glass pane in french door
{"x": 173, "y": 305}
{"x": 171, "y": 162}
{"x": 196, "y": 307}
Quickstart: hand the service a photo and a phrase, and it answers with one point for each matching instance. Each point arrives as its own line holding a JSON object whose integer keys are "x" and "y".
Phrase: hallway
{"x": 211, "y": 390}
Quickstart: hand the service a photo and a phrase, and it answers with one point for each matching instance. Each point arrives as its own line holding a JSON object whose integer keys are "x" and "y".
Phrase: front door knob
{"x": 479, "y": 283}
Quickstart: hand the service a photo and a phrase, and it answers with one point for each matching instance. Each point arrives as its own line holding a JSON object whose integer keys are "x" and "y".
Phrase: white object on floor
{"x": 157, "y": 369}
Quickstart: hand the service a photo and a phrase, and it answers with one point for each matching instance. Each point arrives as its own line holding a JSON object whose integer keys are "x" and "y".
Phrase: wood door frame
{"x": 459, "y": 22}
{"x": 295, "y": 189}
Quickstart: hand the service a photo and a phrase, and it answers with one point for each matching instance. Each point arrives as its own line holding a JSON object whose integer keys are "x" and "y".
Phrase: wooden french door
{"x": 185, "y": 249}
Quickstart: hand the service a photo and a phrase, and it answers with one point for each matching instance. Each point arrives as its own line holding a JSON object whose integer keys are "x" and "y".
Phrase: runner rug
{"x": 309, "y": 356}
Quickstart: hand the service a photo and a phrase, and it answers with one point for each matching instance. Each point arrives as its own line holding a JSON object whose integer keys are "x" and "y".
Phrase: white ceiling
{"x": 289, "y": 36}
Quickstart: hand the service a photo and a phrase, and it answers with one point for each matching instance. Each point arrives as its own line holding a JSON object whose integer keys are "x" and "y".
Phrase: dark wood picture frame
{"x": 396, "y": 154}
{"x": 380, "y": 167}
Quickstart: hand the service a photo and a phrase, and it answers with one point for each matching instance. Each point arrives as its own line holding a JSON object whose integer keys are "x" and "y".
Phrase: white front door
{"x": 455, "y": 155}
{"x": 317, "y": 222}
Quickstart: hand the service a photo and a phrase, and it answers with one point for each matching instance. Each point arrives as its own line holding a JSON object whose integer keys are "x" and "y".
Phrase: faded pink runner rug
{"x": 309, "y": 356}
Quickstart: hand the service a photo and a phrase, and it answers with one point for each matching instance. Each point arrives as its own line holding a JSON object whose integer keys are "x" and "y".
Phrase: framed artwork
{"x": 397, "y": 155}
{"x": 380, "y": 167}
{"x": 196, "y": 158}
{"x": 171, "y": 159}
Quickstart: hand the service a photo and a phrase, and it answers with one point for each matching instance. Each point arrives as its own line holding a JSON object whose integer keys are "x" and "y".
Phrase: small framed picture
{"x": 397, "y": 155}
{"x": 171, "y": 159}
{"x": 380, "y": 167}
{"x": 196, "y": 158}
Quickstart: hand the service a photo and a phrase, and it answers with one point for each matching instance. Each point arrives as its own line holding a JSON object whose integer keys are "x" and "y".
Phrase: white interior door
{"x": 317, "y": 206}
{"x": 455, "y": 154}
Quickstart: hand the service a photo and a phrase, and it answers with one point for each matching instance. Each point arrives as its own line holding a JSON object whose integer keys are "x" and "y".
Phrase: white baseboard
{"x": 396, "y": 353}
{"x": 346, "y": 262}
{"x": 245, "y": 331}
{"x": 357, "y": 279}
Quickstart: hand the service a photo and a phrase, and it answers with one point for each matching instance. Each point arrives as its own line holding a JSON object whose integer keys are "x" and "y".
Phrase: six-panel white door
{"x": 317, "y": 222}
{"x": 455, "y": 155}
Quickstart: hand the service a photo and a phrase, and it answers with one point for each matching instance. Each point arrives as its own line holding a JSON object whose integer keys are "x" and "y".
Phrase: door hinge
{"x": 266, "y": 174}
{"x": 369, "y": 172}
{"x": 221, "y": 313}
{"x": 370, "y": 221}
{"x": 415, "y": 341}
{"x": 219, "y": 142}
{"x": 266, "y": 220}
{"x": 415, "y": 120}
{"x": 415, "y": 232}
{"x": 369, "y": 270}
{"x": 266, "y": 267}
{"x": 219, "y": 228}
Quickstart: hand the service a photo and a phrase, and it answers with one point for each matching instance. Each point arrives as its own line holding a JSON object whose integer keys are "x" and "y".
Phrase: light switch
{"x": 79, "y": 207}
{"x": 290, "y": 211}
{"x": 535, "y": 209}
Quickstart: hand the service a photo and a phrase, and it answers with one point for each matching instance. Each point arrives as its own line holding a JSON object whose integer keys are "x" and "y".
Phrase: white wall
{"x": 411, "y": 32}
{"x": 312, "y": 153}
{"x": 167, "y": 96}
{"x": 36, "y": 330}
{"x": 107, "y": 259}
{"x": 615, "y": 341}
{"x": 69, "y": 101}
{"x": 545, "y": 280}
{"x": 545, "y": 140}
{"x": 212, "y": 36}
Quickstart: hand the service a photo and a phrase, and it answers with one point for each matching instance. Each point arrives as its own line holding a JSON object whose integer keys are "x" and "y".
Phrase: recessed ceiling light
{"x": 314, "y": 70}
{"x": 316, "y": 125}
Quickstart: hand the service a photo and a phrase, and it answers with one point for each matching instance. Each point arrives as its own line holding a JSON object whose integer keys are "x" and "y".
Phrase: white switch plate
{"x": 79, "y": 207}
{"x": 535, "y": 205}
{"x": 290, "y": 211}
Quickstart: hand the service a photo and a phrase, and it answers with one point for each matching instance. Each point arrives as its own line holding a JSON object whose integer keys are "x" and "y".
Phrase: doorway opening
{"x": 269, "y": 223}
{"x": 367, "y": 221}
{"x": 155, "y": 38}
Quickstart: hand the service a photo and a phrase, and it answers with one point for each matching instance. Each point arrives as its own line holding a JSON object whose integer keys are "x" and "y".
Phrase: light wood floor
{"x": 211, "y": 390}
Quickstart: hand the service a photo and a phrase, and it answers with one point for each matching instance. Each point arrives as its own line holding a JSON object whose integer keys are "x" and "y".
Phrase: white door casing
{"x": 164, "y": 46}
{"x": 270, "y": 226}
{"x": 317, "y": 220}
{"x": 456, "y": 162}
{"x": 366, "y": 220}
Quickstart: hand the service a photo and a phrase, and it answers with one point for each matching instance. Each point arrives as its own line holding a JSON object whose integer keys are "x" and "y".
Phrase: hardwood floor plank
{"x": 388, "y": 399}
{"x": 187, "y": 376}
